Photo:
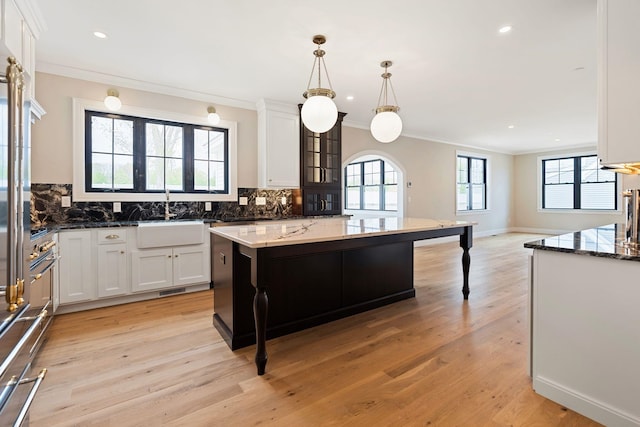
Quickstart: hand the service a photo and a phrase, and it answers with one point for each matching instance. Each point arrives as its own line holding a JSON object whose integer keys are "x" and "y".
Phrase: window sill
{"x": 475, "y": 212}
{"x": 584, "y": 211}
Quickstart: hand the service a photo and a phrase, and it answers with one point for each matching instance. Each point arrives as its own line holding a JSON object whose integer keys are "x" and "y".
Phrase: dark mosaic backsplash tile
{"x": 46, "y": 207}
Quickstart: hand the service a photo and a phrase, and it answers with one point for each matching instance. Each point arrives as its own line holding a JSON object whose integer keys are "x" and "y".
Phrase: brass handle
{"x": 11, "y": 296}
{"x": 48, "y": 246}
{"x": 112, "y": 236}
{"x": 20, "y": 299}
{"x": 33, "y": 256}
{"x": 37, "y": 276}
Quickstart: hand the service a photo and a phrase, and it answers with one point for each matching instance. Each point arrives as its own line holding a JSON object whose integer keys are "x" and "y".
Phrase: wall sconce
{"x": 112, "y": 102}
{"x": 213, "y": 117}
{"x": 386, "y": 125}
{"x": 319, "y": 113}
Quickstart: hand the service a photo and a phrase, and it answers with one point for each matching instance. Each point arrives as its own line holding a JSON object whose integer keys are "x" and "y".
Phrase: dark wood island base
{"x": 266, "y": 292}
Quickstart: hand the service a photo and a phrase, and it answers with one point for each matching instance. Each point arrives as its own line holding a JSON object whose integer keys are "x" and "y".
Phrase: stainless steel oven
{"x": 21, "y": 322}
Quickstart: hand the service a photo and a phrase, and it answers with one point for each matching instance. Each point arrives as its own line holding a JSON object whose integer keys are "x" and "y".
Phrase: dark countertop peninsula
{"x": 213, "y": 221}
{"x": 605, "y": 241}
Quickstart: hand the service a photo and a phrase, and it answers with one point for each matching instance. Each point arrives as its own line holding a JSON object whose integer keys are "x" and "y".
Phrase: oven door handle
{"x": 45, "y": 269}
{"x": 32, "y": 394}
{"x": 16, "y": 350}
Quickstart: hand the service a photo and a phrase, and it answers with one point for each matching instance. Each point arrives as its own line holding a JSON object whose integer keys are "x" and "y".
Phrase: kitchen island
{"x": 274, "y": 278}
{"x": 585, "y": 323}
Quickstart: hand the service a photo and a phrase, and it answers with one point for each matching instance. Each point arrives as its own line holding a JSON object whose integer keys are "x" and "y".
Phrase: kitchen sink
{"x": 152, "y": 234}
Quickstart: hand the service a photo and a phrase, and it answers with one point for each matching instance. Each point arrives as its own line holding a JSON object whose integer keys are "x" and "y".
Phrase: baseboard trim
{"x": 591, "y": 408}
{"x": 106, "y": 302}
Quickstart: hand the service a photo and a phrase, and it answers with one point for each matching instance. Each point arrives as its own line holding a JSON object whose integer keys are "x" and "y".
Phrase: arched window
{"x": 372, "y": 185}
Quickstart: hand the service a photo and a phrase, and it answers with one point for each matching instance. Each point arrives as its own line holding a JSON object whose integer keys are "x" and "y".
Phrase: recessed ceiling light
{"x": 557, "y": 140}
{"x": 511, "y": 126}
{"x": 505, "y": 29}
{"x": 350, "y": 98}
{"x": 100, "y": 34}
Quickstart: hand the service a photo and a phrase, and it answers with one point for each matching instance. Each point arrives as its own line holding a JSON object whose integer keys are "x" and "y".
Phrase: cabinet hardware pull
{"x": 168, "y": 256}
{"x": 112, "y": 236}
{"x": 175, "y": 256}
{"x": 37, "y": 276}
{"x": 33, "y": 256}
{"x": 122, "y": 252}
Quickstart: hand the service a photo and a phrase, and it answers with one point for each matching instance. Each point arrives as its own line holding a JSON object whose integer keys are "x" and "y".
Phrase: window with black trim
{"x": 471, "y": 183}
{"x": 137, "y": 155}
{"x": 371, "y": 185}
{"x": 577, "y": 182}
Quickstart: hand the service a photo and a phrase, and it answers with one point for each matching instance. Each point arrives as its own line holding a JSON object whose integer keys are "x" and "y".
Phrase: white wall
{"x": 51, "y": 137}
{"x": 430, "y": 166}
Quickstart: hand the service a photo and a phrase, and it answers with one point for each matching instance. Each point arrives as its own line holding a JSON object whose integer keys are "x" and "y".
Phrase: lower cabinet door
{"x": 191, "y": 265}
{"x": 77, "y": 276}
{"x": 113, "y": 279}
{"x": 151, "y": 269}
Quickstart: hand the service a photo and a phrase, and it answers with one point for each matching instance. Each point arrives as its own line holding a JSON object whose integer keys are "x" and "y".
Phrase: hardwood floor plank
{"x": 431, "y": 360}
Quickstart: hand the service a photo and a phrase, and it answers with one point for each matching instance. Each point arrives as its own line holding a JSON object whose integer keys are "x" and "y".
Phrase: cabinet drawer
{"x": 112, "y": 235}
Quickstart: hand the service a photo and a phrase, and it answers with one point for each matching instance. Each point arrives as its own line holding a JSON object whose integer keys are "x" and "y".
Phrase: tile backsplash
{"x": 46, "y": 207}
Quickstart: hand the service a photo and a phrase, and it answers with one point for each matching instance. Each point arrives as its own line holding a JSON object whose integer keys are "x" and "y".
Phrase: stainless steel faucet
{"x": 167, "y": 213}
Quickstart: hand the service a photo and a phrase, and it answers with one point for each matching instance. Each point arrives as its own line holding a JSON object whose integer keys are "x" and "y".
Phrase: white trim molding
{"x": 80, "y": 195}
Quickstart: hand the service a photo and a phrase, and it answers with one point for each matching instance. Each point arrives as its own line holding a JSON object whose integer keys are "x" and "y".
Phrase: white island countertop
{"x": 293, "y": 232}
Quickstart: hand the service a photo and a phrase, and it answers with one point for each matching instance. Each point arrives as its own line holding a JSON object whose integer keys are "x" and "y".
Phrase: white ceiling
{"x": 456, "y": 78}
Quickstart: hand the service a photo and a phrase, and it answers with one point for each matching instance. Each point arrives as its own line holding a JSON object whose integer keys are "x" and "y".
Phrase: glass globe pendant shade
{"x": 213, "y": 118}
{"x": 319, "y": 113}
{"x": 112, "y": 102}
{"x": 386, "y": 126}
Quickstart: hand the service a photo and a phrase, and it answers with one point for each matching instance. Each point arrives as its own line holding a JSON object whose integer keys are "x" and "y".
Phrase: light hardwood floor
{"x": 433, "y": 360}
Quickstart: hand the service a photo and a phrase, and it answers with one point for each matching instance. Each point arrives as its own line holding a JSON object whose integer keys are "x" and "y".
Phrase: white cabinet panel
{"x": 113, "y": 277}
{"x": 151, "y": 269}
{"x": 77, "y": 277}
{"x": 278, "y": 145}
{"x": 191, "y": 265}
{"x": 12, "y": 36}
{"x": 618, "y": 71}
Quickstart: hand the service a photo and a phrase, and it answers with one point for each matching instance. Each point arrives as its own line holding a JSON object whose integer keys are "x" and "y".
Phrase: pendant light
{"x": 212, "y": 117}
{"x": 112, "y": 102}
{"x": 319, "y": 113}
{"x": 386, "y": 125}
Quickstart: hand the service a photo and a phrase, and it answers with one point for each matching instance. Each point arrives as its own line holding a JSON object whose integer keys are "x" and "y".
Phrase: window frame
{"x": 80, "y": 172}
{"x": 381, "y": 186}
{"x": 577, "y": 183}
{"x": 486, "y": 182}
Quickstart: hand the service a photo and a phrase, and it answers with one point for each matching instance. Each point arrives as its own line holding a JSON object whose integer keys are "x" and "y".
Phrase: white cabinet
{"x": 112, "y": 271}
{"x": 151, "y": 269}
{"x": 191, "y": 265}
{"x": 161, "y": 268}
{"x": 104, "y": 266}
{"x": 585, "y": 335}
{"x": 12, "y": 31}
{"x": 77, "y": 276}
{"x": 19, "y": 29}
{"x": 618, "y": 88}
{"x": 278, "y": 145}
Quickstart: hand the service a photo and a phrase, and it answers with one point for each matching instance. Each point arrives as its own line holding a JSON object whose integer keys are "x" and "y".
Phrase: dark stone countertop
{"x": 605, "y": 241}
{"x": 225, "y": 221}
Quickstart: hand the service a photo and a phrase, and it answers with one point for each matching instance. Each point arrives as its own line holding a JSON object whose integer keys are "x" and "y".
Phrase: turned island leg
{"x": 260, "y": 308}
{"x": 466, "y": 241}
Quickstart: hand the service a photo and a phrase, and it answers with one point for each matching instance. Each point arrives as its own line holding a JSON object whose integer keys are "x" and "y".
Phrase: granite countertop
{"x": 605, "y": 241}
{"x": 281, "y": 233}
{"x": 213, "y": 221}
